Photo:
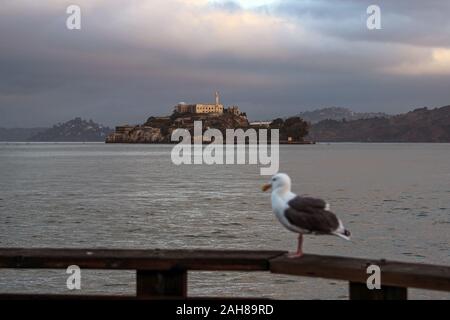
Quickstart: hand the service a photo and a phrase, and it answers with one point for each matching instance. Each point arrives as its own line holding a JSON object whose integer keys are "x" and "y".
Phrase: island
{"x": 212, "y": 115}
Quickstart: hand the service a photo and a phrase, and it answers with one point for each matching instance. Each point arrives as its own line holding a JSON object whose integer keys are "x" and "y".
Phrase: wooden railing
{"x": 162, "y": 274}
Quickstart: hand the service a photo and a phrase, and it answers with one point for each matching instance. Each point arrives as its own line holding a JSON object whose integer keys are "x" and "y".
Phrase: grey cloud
{"x": 119, "y": 70}
{"x": 414, "y": 22}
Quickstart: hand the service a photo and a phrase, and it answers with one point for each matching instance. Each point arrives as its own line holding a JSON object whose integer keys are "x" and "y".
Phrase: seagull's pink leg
{"x": 299, "y": 252}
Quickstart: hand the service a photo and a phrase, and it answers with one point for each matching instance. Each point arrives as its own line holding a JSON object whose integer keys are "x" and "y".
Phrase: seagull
{"x": 302, "y": 215}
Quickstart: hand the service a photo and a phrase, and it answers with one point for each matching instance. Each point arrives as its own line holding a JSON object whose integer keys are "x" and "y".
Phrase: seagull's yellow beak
{"x": 266, "y": 187}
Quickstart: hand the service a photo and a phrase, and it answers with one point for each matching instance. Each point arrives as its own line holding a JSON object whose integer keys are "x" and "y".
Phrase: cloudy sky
{"x": 136, "y": 58}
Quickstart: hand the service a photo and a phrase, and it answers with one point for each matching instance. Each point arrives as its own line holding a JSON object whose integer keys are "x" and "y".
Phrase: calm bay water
{"x": 395, "y": 198}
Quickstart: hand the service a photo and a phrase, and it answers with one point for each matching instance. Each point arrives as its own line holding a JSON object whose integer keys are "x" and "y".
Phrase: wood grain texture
{"x": 153, "y": 259}
{"x": 397, "y": 274}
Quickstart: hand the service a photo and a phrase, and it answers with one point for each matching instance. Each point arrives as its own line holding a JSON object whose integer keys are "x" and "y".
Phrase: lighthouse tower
{"x": 217, "y": 98}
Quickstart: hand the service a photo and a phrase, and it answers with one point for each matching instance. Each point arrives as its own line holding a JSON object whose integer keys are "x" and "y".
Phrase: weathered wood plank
{"x": 359, "y": 291}
{"x": 204, "y": 260}
{"x": 397, "y": 274}
{"x": 171, "y": 283}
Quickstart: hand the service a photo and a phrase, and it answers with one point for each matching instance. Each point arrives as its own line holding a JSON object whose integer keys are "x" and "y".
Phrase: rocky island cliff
{"x": 159, "y": 129}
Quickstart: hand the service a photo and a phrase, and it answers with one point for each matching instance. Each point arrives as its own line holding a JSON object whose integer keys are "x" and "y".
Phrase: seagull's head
{"x": 279, "y": 182}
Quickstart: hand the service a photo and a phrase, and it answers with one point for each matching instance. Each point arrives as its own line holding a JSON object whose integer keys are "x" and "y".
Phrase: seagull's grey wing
{"x": 316, "y": 220}
{"x": 307, "y": 204}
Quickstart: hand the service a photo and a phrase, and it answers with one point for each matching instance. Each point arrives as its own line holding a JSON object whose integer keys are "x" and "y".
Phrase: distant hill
{"x": 420, "y": 125}
{"x": 76, "y": 130}
{"x": 338, "y": 114}
{"x": 18, "y": 134}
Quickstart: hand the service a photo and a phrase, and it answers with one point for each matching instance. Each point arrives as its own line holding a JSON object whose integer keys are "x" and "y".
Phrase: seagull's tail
{"x": 344, "y": 234}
